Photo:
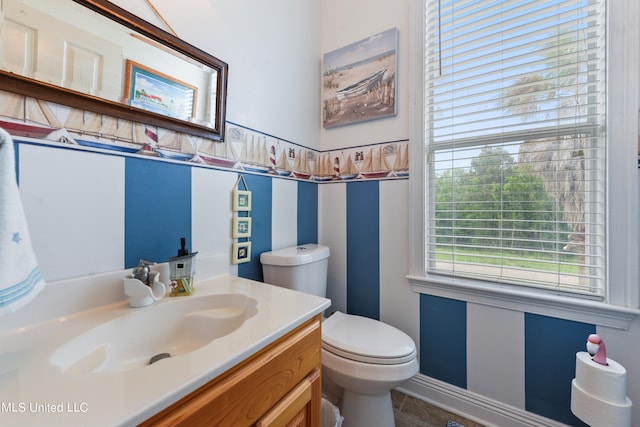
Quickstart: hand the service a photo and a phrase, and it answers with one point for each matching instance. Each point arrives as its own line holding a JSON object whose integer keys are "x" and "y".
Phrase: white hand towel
{"x": 20, "y": 278}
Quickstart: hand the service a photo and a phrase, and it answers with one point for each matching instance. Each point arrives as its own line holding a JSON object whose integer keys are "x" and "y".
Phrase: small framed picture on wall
{"x": 241, "y": 227}
{"x": 241, "y": 200}
{"x": 241, "y": 252}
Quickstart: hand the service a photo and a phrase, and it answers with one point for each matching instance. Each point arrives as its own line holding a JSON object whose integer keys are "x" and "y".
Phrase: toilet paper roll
{"x": 608, "y": 383}
{"x": 599, "y": 413}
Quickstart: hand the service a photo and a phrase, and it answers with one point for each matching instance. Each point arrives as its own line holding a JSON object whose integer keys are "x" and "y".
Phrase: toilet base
{"x": 367, "y": 410}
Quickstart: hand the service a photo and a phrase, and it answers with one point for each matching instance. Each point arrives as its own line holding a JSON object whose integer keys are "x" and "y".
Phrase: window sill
{"x": 503, "y": 296}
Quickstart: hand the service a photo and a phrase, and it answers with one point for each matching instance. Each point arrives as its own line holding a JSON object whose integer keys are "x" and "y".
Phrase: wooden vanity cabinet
{"x": 278, "y": 386}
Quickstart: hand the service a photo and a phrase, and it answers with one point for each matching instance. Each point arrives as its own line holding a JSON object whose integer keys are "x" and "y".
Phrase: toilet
{"x": 364, "y": 357}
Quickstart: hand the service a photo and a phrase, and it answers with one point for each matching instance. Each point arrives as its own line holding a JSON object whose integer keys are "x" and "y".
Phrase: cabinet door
{"x": 248, "y": 392}
{"x": 299, "y": 408}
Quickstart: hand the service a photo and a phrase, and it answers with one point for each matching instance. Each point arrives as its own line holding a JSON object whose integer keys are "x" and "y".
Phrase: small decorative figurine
{"x": 597, "y": 349}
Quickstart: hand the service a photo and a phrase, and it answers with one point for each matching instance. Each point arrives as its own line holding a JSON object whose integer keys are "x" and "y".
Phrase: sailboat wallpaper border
{"x": 244, "y": 149}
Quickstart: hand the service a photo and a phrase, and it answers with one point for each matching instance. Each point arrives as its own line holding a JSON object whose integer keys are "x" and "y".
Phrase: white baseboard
{"x": 471, "y": 405}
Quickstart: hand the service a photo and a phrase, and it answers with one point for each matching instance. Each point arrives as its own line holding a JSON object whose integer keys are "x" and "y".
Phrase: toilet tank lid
{"x": 296, "y": 255}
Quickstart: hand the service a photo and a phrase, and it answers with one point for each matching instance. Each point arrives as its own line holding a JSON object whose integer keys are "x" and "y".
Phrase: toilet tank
{"x": 302, "y": 268}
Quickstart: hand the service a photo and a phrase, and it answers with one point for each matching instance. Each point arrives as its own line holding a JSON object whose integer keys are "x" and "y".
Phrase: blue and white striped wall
{"x": 91, "y": 212}
{"x": 522, "y": 360}
{"x": 94, "y": 212}
{"x": 519, "y": 362}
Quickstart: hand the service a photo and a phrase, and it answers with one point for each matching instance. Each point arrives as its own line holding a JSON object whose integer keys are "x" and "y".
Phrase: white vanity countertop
{"x": 33, "y": 392}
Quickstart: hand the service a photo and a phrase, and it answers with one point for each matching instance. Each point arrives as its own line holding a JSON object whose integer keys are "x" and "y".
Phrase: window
{"x": 498, "y": 133}
{"x": 514, "y": 122}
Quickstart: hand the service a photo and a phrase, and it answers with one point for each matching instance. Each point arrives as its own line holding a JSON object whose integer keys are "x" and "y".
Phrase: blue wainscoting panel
{"x": 307, "y": 212}
{"x": 157, "y": 209}
{"x": 363, "y": 249}
{"x": 261, "y": 198}
{"x": 550, "y": 359}
{"x": 443, "y": 339}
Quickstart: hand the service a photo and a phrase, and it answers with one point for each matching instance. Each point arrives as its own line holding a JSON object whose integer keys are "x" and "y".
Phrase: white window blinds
{"x": 515, "y": 113}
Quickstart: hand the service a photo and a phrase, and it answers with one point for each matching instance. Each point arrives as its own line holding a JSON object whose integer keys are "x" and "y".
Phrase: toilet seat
{"x": 366, "y": 340}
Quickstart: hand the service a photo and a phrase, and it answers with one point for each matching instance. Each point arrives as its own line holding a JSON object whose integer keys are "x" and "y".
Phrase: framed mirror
{"x": 93, "y": 55}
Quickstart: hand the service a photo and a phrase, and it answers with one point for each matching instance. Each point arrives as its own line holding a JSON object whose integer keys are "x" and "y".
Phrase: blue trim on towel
{"x": 16, "y": 155}
{"x": 21, "y": 289}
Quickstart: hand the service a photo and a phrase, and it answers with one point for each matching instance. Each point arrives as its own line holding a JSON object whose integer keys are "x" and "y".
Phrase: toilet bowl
{"x": 366, "y": 358}
{"x": 363, "y": 357}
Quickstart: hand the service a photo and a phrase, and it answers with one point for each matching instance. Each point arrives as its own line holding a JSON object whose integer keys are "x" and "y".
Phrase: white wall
{"x": 344, "y": 23}
{"x": 273, "y": 54}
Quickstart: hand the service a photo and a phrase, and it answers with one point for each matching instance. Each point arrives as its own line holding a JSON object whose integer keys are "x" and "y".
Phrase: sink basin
{"x": 176, "y": 326}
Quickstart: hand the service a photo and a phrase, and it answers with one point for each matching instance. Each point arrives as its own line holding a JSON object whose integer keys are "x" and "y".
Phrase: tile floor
{"x": 412, "y": 412}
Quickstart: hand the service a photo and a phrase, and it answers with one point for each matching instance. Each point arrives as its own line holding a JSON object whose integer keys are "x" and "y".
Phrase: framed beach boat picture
{"x": 359, "y": 80}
